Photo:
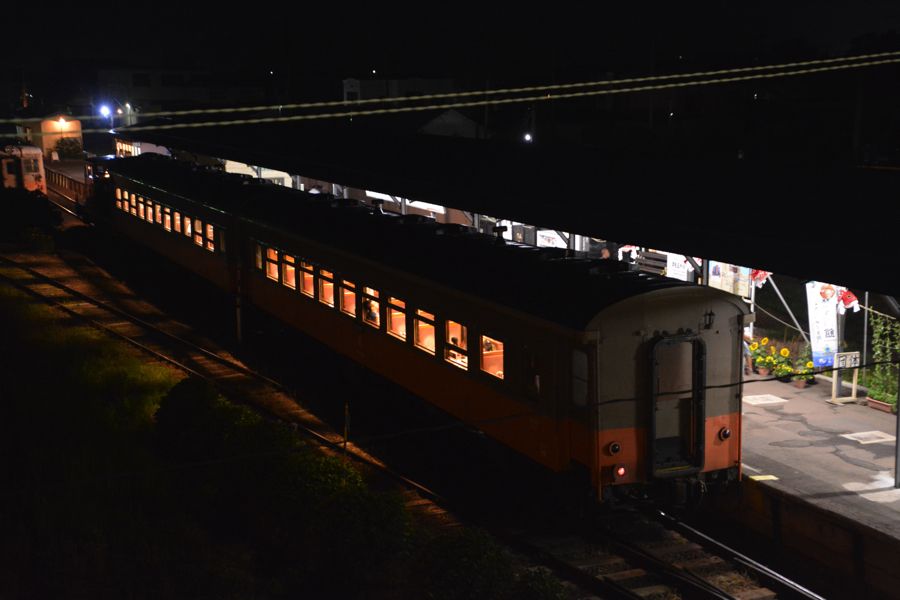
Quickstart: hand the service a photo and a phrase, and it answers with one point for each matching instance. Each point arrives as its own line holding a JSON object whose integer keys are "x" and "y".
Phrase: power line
{"x": 514, "y": 90}
{"x": 492, "y": 102}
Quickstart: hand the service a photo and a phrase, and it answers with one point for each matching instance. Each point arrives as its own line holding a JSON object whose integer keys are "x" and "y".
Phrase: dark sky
{"x": 454, "y": 39}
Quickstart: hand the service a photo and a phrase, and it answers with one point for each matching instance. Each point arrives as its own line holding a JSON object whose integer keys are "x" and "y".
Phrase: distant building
{"x": 45, "y": 132}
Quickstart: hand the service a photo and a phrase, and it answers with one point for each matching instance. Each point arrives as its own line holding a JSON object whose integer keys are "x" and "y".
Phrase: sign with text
{"x": 821, "y": 299}
{"x": 846, "y": 360}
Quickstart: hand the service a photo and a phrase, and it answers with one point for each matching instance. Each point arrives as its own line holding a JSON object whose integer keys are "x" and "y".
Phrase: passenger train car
{"x": 585, "y": 366}
{"x": 23, "y": 167}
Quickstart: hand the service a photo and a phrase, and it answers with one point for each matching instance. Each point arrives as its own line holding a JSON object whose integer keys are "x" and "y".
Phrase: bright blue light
{"x": 104, "y": 110}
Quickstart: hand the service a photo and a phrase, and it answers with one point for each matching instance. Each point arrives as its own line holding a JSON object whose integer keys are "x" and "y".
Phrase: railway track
{"x": 634, "y": 557}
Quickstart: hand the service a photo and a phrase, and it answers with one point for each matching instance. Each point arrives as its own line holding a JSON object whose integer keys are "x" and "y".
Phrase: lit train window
{"x": 158, "y": 214}
{"x": 198, "y": 232}
{"x": 167, "y": 219}
{"x": 348, "y": 298}
{"x": 455, "y": 351}
{"x": 288, "y": 272}
{"x": 210, "y": 237}
{"x": 326, "y": 287}
{"x": 149, "y": 215}
{"x": 259, "y": 261}
{"x": 371, "y": 309}
{"x": 307, "y": 284}
{"x": 118, "y": 194}
{"x": 272, "y": 264}
{"x": 141, "y": 214}
{"x": 134, "y": 204}
{"x": 187, "y": 226}
{"x": 178, "y": 222}
{"x": 396, "y": 318}
{"x": 424, "y": 331}
{"x": 492, "y": 356}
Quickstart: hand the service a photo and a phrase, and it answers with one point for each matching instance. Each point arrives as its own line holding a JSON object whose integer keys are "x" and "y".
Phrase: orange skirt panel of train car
{"x": 723, "y": 454}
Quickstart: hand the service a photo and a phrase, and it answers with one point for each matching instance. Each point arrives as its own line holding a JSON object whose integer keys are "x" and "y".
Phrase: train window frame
{"x": 324, "y": 278}
{"x": 118, "y": 193}
{"x": 272, "y": 270}
{"x": 348, "y": 305}
{"x": 258, "y": 256}
{"x": 167, "y": 218}
{"x": 307, "y": 276}
{"x": 142, "y": 208}
{"x": 370, "y": 307}
{"x": 395, "y": 307}
{"x": 148, "y": 215}
{"x": 187, "y": 230}
{"x": 288, "y": 271}
{"x": 133, "y": 205}
{"x": 158, "y": 210}
{"x": 424, "y": 319}
{"x": 457, "y": 353}
{"x": 210, "y": 237}
{"x": 177, "y": 219}
{"x": 198, "y": 232}
{"x": 483, "y": 348}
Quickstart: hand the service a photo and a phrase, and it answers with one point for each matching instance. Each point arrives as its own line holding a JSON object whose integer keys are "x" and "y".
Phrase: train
{"x": 628, "y": 381}
{"x": 23, "y": 168}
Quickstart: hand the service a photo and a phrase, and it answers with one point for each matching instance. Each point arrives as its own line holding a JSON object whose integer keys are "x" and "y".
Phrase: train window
{"x": 396, "y": 318}
{"x": 348, "y": 298}
{"x": 134, "y": 205}
{"x": 288, "y": 272}
{"x": 141, "y": 214}
{"x": 158, "y": 214}
{"x": 326, "y": 287}
{"x": 210, "y": 237}
{"x": 149, "y": 215}
{"x": 167, "y": 219}
{"x": 272, "y": 264}
{"x": 307, "y": 285}
{"x": 579, "y": 378}
{"x": 424, "y": 331}
{"x": 187, "y": 226}
{"x": 118, "y": 193}
{"x": 455, "y": 351}
{"x": 198, "y": 232}
{"x": 371, "y": 309}
{"x": 492, "y": 356}
{"x": 31, "y": 165}
{"x": 178, "y": 222}
{"x": 259, "y": 253}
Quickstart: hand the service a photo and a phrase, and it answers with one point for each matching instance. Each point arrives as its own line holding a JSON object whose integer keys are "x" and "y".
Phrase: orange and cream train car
{"x": 585, "y": 366}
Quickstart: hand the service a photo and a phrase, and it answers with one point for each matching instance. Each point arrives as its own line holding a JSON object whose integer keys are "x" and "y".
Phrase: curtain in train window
{"x": 198, "y": 232}
{"x": 167, "y": 219}
{"x": 272, "y": 264}
{"x": 210, "y": 237}
{"x": 178, "y": 223}
{"x": 188, "y": 232}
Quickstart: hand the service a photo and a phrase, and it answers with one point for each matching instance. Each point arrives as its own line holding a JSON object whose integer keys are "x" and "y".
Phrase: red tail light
{"x": 619, "y": 472}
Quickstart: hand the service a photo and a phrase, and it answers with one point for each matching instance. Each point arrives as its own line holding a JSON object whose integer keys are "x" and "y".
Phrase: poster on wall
{"x": 822, "y": 300}
{"x": 729, "y": 278}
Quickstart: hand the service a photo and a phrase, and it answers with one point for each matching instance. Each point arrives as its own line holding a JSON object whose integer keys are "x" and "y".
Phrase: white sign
{"x": 821, "y": 299}
{"x": 677, "y": 266}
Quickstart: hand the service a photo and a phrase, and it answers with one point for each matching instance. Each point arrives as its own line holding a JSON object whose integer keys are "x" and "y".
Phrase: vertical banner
{"x": 822, "y": 300}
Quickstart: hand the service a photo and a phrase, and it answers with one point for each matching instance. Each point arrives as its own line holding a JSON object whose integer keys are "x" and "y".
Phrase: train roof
{"x": 544, "y": 282}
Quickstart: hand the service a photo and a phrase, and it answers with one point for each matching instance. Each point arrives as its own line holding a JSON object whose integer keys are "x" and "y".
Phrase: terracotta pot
{"x": 799, "y": 383}
{"x": 763, "y": 371}
{"x": 879, "y": 405}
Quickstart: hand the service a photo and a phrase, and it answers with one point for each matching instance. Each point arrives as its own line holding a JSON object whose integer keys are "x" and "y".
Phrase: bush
{"x": 69, "y": 148}
{"x": 26, "y": 214}
{"x": 537, "y": 584}
{"x": 463, "y": 564}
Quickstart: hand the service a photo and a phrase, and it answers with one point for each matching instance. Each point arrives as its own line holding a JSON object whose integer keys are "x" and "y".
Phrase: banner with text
{"x": 822, "y": 301}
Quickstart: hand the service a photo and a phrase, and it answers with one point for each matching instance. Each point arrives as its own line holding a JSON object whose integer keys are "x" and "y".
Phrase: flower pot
{"x": 799, "y": 383}
{"x": 763, "y": 371}
{"x": 879, "y": 405}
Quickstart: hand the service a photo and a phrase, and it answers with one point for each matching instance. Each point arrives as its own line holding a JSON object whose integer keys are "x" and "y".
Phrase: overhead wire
{"x": 512, "y": 90}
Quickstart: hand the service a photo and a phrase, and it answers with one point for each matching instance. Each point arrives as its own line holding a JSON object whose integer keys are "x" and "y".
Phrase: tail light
{"x": 619, "y": 472}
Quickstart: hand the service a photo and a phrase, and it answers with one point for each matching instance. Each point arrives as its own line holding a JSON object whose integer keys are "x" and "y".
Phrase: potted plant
{"x": 759, "y": 352}
{"x": 803, "y": 374}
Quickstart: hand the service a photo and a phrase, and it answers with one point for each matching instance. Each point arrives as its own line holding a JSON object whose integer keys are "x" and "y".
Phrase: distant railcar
{"x": 23, "y": 168}
{"x": 630, "y": 379}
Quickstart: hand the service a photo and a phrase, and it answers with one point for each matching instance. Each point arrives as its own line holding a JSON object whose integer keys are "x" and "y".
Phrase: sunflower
{"x": 754, "y": 346}
{"x": 785, "y": 352}
{"x": 764, "y": 341}
{"x": 809, "y": 364}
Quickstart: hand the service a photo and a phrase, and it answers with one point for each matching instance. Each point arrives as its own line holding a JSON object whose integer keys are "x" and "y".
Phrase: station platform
{"x": 839, "y": 458}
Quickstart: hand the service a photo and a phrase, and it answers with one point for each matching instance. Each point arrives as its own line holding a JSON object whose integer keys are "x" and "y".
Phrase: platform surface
{"x": 838, "y": 457}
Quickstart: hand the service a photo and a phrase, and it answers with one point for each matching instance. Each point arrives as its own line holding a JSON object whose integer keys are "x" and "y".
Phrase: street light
{"x": 106, "y": 113}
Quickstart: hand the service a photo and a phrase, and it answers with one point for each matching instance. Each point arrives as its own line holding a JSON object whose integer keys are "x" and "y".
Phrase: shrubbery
{"x": 25, "y": 212}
